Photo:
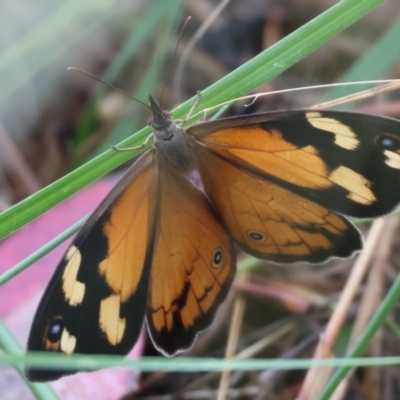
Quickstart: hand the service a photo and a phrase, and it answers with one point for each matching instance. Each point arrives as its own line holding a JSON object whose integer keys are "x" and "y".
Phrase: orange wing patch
{"x": 268, "y": 152}
{"x": 192, "y": 269}
{"x": 127, "y": 232}
{"x": 272, "y": 222}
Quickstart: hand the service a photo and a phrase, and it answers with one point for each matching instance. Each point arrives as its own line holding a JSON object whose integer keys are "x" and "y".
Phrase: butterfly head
{"x": 160, "y": 119}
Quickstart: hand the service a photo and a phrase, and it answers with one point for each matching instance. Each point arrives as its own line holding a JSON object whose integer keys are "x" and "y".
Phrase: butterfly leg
{"x": 195, "y": 104}
{"x": 189, "y": 114}
{"x": 140, "y": 146}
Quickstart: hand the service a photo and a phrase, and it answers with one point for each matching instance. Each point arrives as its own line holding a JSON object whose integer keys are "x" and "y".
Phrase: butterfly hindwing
{"x": 193, "y": 265}
{"x": 271, "y": 222}
{"x": 95, "y": 302}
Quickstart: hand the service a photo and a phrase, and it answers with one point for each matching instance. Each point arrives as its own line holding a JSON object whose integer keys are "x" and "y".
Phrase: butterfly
{"x": 161, "y": 247}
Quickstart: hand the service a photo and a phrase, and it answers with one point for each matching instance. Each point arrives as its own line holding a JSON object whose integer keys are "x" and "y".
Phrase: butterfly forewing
{"x": 347, "y": 162}
{"x": 95, "y": 302}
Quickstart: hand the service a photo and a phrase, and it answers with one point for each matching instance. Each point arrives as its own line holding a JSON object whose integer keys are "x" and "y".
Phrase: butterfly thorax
{"x": 172, "y": 144}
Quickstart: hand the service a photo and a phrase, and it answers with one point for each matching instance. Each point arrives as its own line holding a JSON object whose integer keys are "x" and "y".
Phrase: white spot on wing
{"x": 356, "y": 184}
{"x": 109, "y": 321}
{"x": 68, "y": 342}
{"x": 393, "y": 159}
{"x": 73, "y": 290}
{"x": 344, "y": 136}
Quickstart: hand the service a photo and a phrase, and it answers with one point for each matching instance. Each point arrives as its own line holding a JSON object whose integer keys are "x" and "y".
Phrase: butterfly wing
{"x": 95, "y": 302}
{"x": 193, "y": 265}
{"x": 275, "y": 185}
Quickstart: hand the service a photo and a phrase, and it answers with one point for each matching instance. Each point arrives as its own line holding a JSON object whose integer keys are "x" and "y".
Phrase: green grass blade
{"x": 184, "y": 364}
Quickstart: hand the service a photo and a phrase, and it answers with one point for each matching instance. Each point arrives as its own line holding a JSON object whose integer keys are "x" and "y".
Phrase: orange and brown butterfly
{"x": 160, "y": 249}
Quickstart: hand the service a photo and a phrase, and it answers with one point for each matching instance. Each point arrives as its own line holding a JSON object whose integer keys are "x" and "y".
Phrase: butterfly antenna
{"x": 171, "y": 62}
{"x": 108, "y": 84}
